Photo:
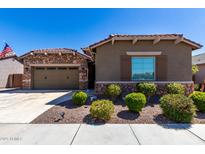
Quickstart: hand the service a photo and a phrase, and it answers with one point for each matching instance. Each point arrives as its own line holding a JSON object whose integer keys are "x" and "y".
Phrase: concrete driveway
{"x": 22, "y": 106}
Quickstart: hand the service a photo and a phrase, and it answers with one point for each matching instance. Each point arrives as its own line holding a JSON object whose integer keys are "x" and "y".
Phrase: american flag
{"x": 7, "y": 51}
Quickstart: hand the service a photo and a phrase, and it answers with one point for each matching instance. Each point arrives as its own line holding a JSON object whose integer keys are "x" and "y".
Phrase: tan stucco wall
{"x": 9, "y": 66}
{"x": 178, "y": 64}
{"x": 200, "y": 76}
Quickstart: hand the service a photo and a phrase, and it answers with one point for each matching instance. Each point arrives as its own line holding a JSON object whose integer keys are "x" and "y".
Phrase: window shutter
{"x": 125, "y": 67}
{"x": 161, "y": 68}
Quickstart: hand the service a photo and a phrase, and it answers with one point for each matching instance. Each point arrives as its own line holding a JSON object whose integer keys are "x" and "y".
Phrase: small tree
{"x": 195, "y": 69}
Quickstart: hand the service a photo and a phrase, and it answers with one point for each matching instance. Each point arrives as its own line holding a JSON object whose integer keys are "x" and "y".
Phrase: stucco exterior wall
{"x": 200, "y": 76}
{"x": 178, "y": 59}
{"x": 68, "y": 58}
{"x": 9, "y": 66}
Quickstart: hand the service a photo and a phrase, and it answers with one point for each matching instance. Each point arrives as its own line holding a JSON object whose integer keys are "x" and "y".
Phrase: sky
{"x": 28, "y": 29}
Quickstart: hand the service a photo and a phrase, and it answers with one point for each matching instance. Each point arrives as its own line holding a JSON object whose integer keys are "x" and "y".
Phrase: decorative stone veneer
{"x": 127, "y": 87}
{"x": 55, "y": 58}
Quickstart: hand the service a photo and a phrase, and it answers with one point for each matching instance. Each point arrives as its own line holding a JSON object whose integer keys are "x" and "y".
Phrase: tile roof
{"x": 198, "y": 59}
{"x": 55, "y": 50}
{"x": 154, "y": 35}
{"x": 167, "y": 36}
{"x": 12, "y": 56}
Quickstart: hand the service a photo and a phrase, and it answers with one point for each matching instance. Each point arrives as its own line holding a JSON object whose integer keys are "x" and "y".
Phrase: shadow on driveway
{"x": 61, "y": 99}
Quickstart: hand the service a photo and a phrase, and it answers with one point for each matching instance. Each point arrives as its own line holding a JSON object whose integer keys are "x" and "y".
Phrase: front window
{"x": 143, "y": 68}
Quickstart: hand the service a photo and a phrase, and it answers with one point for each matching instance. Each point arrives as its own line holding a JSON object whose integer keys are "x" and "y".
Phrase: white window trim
{"x": 143, "y": 53}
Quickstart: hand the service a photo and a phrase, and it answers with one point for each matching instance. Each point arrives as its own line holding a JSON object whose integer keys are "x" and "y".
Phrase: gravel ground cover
{"x": 66, "y": 112}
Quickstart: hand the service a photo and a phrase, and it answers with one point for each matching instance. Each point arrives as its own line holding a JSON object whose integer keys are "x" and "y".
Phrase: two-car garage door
{"x": 55, "y": 78}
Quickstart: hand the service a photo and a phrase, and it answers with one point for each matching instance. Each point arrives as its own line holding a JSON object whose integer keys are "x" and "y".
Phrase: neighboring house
{"x": 129, "y": 59}
{"x": 10, "y": 72}
{"x": 59, "y": 68}
{"x": 199, "y": 60}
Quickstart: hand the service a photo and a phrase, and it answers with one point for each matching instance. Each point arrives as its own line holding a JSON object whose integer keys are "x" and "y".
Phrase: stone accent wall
{"x": 55, "y": 58}
{"x": 128, "y": 87}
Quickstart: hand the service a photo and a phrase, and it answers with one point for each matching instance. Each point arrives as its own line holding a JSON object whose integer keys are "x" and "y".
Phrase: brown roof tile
{"x": 55, "y": 50}
{"x": 171, "y": 36}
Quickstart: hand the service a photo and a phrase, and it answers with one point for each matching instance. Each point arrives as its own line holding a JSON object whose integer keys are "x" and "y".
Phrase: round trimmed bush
{"x": 199, "y": 100}
{"x": 113, "y": 90}
{"x": 175, "y": 88}
{"x": 79, "y": 98}
{"x": 135, "y": 101}
{"x": 147, "y": 88}
{"x": 102, "y": 109}
{"x": 178, "y": 107}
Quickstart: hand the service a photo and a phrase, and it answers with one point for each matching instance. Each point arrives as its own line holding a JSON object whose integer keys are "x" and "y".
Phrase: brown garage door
{"x": 55, "y": 78}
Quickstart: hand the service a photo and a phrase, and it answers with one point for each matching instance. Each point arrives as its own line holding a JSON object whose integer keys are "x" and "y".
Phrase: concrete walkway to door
{"x": 108, "y": 134}
{"x": 22, "y": 106}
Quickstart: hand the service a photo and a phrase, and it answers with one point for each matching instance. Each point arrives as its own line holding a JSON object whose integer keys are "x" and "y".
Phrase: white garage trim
{"x": 45, "y": 65}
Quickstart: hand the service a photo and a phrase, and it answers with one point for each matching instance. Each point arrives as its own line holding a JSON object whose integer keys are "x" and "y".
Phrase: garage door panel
{"x": 56, "y": 78}
{"x": 73, "y": 78}
{"x": 39, "y": 77}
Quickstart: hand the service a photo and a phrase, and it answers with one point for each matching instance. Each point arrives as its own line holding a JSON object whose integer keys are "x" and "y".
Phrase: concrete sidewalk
{"x": 108, "y": 134}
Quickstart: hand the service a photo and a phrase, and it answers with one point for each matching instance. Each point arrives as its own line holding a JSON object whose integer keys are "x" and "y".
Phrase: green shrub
{"x": 178, "y": 107}
{"x": 147, "y": 88}
{"x": 135, "y": 101}
{"x": 102, "y": 109}
{"x": 175, "y": 88}
{"x": 197, "y": 87}
{"x": 79, "y": 98}
{"x": 113, "y": 90}
{"x": 199, "y": 100}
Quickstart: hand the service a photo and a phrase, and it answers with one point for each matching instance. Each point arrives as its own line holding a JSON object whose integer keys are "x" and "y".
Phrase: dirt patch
{"x": 66, "y": 112}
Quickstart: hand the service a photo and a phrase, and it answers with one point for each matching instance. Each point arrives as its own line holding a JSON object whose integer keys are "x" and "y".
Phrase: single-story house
{"x": 199, "y": 60}
{"x": 58, "y": 68}
{"x": 129, "y": 59}
{"x": 11, "y": 71}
